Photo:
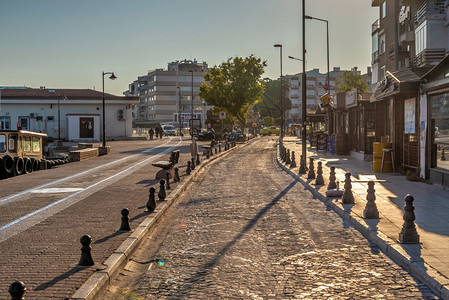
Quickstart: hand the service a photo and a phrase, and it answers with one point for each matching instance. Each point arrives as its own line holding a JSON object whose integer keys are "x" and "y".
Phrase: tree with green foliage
{"x": 350, "y": 80}
{"x": 234, "y": 86}
{"x": 268, "y": 121}
{"x": 270, "y": 106}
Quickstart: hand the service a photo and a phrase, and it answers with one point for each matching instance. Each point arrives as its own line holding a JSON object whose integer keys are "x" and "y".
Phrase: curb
{"x": 420, "y": 269}
{"x": 99, "y": 280}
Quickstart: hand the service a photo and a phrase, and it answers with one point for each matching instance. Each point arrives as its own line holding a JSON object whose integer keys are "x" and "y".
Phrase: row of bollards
{"x": 408, "y": 234}
{"x": 17, "y": 289}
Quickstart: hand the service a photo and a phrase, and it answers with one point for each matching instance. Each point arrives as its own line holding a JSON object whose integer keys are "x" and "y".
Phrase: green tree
{"x": 269, "y": 105}
{"x": 234, "y": 86}
{"x": 268, "y": 121}
{"x": 350, "y": 80}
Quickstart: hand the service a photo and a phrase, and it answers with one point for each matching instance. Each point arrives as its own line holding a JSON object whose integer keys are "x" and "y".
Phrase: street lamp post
{"x": 112, "y": 77}
{"x": 191, "y": 114}
{"x": 59, "y": 120}
{"x": 282, "y": 93}
{"x": 328, "y": 74}
{"x": 179, "y": 109}
{"x": 302, "y": 167}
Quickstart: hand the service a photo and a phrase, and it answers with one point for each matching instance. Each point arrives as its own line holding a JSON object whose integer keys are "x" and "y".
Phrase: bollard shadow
{"x": 106, "y": 238}
{"x": 141, "y": 215}
{"x": 372, "y": 224}
{"x": 251, "y": 223}
{"x": 59, "y": 278}
{"x": 148, "y": 182}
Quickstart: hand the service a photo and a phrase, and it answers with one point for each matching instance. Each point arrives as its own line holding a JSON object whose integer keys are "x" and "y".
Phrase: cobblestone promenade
{"x": 249, "y": 231}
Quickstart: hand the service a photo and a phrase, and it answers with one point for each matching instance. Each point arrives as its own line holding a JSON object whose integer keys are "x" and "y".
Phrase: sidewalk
{"x": 429, "y": 260}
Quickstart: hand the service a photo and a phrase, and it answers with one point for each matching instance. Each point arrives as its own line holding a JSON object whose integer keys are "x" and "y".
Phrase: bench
{"x": 167, "y": 166}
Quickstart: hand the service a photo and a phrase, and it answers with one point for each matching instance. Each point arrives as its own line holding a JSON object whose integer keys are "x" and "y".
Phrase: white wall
{"x": 48, "y": 109}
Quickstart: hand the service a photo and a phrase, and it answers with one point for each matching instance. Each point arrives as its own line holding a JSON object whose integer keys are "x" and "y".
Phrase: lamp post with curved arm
{"x": 112, "y": 77}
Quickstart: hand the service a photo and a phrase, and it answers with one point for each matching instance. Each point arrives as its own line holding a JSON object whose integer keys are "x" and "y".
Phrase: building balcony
{"x": 375, "y": 57}
{"x": 375, "y": 27}
{"x": 430, "y": 11}
{"x": 428, "y": 57}
{"x": 407, "y": 38}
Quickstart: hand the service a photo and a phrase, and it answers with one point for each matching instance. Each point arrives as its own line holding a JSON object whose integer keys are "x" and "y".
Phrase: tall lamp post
{"x": 191, "y": 114}
{"x": 112, "y": 77}
{"x": 302, "y": 167}
{"x": 282, "y": 93}
{"x": 291, "y": 57}
{"x": 328, "y": 74}
{"x": 179, "y": 109}
{"x": 59, "y": 120}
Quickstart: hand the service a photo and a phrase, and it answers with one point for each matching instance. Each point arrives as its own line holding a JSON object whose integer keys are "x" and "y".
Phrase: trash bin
{"x": 377, "y": 157}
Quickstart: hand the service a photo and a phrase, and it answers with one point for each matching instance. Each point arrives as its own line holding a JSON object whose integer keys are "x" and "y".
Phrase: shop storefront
{"x": 434, "y": 124}
{"x": 397, "y": 116}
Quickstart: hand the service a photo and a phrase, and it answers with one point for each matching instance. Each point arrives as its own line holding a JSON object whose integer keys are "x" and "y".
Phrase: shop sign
{"x": 409, "y": 115}
{"x": 351, "y": 98}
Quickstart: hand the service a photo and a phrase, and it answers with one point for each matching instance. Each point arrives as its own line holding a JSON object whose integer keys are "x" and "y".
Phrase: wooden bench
{"x": 167, "y": 166}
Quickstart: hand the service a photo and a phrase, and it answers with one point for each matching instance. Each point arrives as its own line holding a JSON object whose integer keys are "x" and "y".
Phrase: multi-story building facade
{"x": 316, "y": 87}
{"x": 166, "y": 95}
{"x": 409, "y": 38}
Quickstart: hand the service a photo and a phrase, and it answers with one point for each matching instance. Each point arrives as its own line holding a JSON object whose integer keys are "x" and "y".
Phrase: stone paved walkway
{"x": 248, "y": 230}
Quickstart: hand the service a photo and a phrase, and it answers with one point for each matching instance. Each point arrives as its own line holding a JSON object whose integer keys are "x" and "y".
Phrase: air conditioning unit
{"x": 121, "y": 115}
{"x": 33, "y": 115}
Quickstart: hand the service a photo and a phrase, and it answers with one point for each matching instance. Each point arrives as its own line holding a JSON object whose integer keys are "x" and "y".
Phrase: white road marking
{"x": 79, "y": 174}
{"x": 41, "y": 214}
{"x": 57, "y": 190}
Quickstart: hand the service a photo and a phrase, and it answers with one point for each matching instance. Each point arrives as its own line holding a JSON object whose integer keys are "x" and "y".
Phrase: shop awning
{"x": 405, "y": 81}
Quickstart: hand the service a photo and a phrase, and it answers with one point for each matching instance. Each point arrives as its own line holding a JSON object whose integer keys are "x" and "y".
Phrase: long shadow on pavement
{"x": 209, "y": 265}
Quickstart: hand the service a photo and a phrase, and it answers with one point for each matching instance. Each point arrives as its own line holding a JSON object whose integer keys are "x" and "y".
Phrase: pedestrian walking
{"x": 151, "y": 133}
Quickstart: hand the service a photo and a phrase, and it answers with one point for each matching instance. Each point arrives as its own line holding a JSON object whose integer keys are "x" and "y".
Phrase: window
{"x": 2, "y": 143}
{"x": 383, "y": 9}
{"x": 26, "y": 143}
{"x": 5, "y": 123}
{"x": 382, "y": 73}
{"x": 382, "y": 44}
{"x": 36, "y": 144}
{"x": 12, "y": 143}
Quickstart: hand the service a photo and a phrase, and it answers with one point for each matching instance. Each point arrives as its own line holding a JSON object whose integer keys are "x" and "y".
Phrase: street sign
{"x": 222, "y": 115}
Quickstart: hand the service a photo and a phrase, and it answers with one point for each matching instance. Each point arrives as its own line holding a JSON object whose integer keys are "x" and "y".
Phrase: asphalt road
{"x": 247, "y": 230}
{"x": 44, "y": 214}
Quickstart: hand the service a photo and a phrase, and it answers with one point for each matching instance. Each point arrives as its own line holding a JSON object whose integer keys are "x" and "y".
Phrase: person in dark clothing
{"x": 151, "y": 133}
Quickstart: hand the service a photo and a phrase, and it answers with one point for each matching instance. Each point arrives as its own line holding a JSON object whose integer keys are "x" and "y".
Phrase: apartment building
{"x": 166, "y": 95}
{"x": 409, "y": 39}
{"x": 316, "y": 84}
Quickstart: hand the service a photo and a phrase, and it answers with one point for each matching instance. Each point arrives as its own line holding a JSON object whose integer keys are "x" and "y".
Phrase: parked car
{"x": 270, "y": 130}
{"x": 168, "y": 130}
{"x": 206, "y": 135}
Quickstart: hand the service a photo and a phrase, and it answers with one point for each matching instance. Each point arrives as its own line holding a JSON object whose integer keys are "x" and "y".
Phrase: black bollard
{"x": 198, "y": 159}
{"x": 293, "y": 162}
{"x": 219, "y": 147}
{"x": 348, "y": 197}
{"x": 192, "y": 163}
{"x": 408, "y": 234}
{"x": 125, "y": 220}
{"x": 176, "y": 177}
{"x": 207, "y": 153}
{"x": 216, "y": 151}
{"x": 332, "y": 184}
{"x": 17, "y": 289}
{"x": 302, "y": 165}
{"x": 86, "y": 257}
{"x": 151, "y": 204}
{"x": 371, "y": 211}
{"x": 167, "y": 180}
{"x": 287, "y": 158}
{"x": 161, "y": 194}
{"x": 443, "y": 155}
{"x": 311, "y": 174}
{"x": 319, "y": 171}
{"x": 188, "y": 170}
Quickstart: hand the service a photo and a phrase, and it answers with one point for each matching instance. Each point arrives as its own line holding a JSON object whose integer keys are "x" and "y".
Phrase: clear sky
{"x": 67, "y": 44}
